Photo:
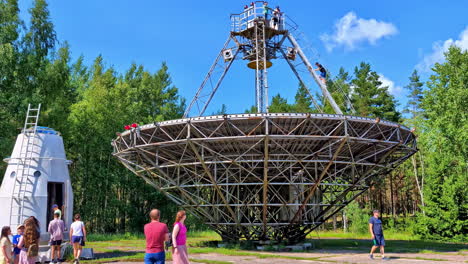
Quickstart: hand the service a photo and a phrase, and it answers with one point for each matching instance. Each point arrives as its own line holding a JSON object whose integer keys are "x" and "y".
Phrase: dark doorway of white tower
{"x": 55, "y": 191}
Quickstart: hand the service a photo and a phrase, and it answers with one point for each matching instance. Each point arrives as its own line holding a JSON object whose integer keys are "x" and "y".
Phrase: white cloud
{"x": 393, "y": 89}
{"x": 438, "y": 49}
{"x": 351, "y": 30}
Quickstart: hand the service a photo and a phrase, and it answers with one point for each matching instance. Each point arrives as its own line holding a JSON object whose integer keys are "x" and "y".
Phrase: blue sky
{"x": 394, "y": 36}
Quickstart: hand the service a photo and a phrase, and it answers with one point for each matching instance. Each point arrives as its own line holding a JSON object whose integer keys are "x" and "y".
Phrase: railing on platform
{"x": 245, "y": 20}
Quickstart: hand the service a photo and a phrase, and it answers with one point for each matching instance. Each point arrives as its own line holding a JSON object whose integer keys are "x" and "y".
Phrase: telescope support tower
{"x": 259, "y": 40}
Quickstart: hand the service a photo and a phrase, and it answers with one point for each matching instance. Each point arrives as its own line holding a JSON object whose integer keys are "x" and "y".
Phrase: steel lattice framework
{"x": 264, "y": 176}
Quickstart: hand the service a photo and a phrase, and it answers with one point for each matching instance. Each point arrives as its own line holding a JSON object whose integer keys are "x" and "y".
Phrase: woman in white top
{"x": 78, "y": 237}
{"x": 6, "y": 248}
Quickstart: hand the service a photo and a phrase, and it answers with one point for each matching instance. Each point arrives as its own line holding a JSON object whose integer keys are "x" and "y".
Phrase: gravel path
{"x": 338, "y": 257}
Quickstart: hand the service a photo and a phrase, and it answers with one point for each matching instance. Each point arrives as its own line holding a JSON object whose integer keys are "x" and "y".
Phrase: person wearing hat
{"x": 375, "y": 229}
{"x": 16, "y": 238}
{"x": 55, "y": 209}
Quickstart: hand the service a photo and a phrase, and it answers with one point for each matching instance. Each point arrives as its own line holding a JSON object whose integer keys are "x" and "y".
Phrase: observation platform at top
{"x": 275, "y": 21}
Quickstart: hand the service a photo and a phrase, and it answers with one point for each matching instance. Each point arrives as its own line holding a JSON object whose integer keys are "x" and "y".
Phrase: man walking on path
{"x": 156, "y": 233}
{"x": 375, "y": 228}
{"x": 56, "y": 230}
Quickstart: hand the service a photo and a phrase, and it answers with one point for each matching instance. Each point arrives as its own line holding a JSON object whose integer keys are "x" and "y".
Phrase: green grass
{"x": 130, "y": 247}
{"x": 402, "y": 246}
{"x": 235, "y": 252}
{"x": 390, "y": 235}
{"x": 114, "y": 237}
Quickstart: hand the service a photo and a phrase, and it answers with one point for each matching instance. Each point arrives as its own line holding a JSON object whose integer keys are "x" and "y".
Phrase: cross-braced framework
{"x": 258, "y": 40}
{"x": 264, "y": 176}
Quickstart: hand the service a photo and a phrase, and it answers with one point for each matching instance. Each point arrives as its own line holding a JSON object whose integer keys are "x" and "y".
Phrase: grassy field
{"x": 130, "y": 247}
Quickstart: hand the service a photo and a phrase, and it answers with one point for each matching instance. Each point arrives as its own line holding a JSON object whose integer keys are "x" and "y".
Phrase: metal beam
{"x": 317, "y": 182}
{"x": 322, "y": 85}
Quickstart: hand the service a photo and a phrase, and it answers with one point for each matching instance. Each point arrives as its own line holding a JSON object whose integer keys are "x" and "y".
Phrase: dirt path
{"x": 336, "y": 257}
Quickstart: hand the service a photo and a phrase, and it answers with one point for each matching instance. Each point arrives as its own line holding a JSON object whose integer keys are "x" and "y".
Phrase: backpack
{"x": 33, "y": 250}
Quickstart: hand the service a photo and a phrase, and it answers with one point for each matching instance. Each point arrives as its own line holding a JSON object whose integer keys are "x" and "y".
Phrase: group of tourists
{"x": 24, "y": 246}
{"x": 276, "y": 14}
{"x": 157, "y": 234}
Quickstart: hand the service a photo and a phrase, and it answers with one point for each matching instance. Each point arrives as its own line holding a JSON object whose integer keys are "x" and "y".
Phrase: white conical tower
{"x": 36, "y": 177}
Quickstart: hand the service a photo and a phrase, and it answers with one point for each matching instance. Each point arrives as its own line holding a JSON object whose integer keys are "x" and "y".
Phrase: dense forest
{"x": 89, "y": 103}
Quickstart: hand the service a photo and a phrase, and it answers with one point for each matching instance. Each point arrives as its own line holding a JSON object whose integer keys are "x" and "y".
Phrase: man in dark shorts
{"x": 375, "y": 228}
{"x": 56, "y": 229}
{"x": 156, "y": 234}
{"x": 323, "y": 72}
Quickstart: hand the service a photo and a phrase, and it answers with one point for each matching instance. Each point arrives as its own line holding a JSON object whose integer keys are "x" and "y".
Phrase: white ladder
{"x": 23, "y": 165}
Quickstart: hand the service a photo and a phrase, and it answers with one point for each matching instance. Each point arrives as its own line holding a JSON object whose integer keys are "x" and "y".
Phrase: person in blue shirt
{"x": 265, "y": 10}
{"x": 323, "y": 72}
{"x": 375, "y": 228}
{"x": 16, "y": 238}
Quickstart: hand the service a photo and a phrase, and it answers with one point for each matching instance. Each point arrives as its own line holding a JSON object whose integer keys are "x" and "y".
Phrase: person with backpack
{"x": 56, "y": 229}
{"x": 179, "y": 240}
{"x": 77, "y": 237}
{"x": 6, "y": 248}
{"x": 29, "y": 242}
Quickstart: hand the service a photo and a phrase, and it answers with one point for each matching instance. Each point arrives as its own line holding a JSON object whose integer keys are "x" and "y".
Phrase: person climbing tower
{"x": 323, "y": 72}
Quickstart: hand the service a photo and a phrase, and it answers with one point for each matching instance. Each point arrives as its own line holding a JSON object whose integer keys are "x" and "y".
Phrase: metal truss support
{"x": 264, "y": 176}
{"x": 322, "y": 85}
{"x": 261, "y": 73}
{"x": 221, "y": 65}
{"x": 301, "y": 81}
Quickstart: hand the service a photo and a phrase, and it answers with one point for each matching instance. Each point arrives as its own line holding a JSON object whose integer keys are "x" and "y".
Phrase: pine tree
{"x": 303, "y": 102}
{"x": 41, "y": 37}
{"x": 369, "y": 97}
{"x": 445, "y": 139}
{"x": 221, "y": 111}
{"x": 340, "y": 89}
{"x": 280, "y": 105}
{"x": 415, "y": 88}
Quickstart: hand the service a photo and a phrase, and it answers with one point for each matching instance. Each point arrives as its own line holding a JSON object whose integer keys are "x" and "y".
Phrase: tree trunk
{"x": 334, "y": 222}
{"x": 415, "y": 168}
{"x": 345, "y": 222}
{"x": 391, "y": 195}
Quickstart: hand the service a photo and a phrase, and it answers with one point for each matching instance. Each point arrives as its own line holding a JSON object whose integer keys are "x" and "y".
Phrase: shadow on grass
{"x": 116, "y": 254}
{"x": 401, "y": 246}
{"x": 344, "y": 245}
